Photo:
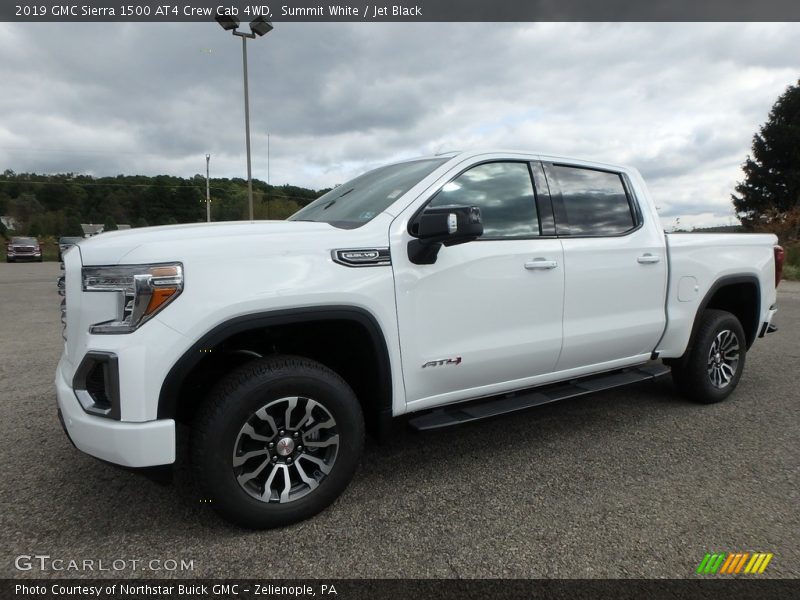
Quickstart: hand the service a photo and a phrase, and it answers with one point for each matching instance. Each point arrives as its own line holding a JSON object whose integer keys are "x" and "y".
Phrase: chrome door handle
{"x": 540, "y": 263}
{"x": 647, "y": 259}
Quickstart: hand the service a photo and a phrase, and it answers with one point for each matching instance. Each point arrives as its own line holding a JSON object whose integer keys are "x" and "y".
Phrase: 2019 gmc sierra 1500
{"x": 455, "y": 287}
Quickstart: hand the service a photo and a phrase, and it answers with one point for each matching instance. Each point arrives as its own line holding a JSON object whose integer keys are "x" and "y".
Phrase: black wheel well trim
{"x": 170, "y": 388}
{"x": 720, "y": 283}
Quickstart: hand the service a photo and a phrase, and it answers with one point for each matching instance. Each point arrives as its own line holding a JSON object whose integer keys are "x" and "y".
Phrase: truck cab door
{"x": 615, "y": 267}
{"x": 486, "y": 315}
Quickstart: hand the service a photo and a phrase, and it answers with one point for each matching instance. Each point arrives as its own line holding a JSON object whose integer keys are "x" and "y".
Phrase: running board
{"x": 455, "y": 414}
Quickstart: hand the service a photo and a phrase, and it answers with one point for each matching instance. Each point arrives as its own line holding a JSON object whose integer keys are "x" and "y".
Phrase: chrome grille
{"x": 127, "y": 306}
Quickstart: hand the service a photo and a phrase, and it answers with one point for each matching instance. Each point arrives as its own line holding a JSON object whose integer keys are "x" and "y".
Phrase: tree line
{"x": 56, "y": 205}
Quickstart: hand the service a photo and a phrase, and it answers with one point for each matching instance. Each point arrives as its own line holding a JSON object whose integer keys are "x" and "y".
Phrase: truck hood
{"x": 113, "y": 247}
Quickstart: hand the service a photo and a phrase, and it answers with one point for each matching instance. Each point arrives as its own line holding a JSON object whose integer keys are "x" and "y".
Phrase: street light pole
{"x": 258, "y": 27}
{"x": 247, "y": 123}
{"x": 268, "y": 183}
{"x": 208, "y": 188}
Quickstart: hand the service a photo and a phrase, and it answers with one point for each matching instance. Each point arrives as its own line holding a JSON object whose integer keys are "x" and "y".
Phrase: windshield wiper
{"x": 332, "y": 202}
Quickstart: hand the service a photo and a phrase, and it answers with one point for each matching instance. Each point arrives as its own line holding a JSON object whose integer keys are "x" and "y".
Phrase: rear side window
{"x": 593, "y": 202}
{"x": 504, "y": 193}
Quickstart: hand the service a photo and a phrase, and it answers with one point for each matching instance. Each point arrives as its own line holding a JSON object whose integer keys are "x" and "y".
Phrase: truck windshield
{"x": 352, "y": 204}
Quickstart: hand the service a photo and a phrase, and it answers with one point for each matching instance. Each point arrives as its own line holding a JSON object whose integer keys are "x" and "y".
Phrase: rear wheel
{"x": 277, "y": 441}
{"x": 712, "y": 367}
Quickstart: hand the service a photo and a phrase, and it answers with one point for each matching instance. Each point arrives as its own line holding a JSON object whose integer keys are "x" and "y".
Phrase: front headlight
{"x": 144, "y": 290}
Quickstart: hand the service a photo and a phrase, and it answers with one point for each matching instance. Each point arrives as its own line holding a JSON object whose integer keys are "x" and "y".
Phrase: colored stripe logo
{"x": 734, "y": 563}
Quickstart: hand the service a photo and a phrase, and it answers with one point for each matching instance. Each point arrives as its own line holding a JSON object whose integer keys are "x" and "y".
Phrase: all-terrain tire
{"x": 711, "y": 368}
{"x": 236, "y": 422}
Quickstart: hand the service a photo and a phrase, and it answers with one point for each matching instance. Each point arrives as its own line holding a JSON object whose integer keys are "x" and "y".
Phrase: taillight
{"x": 779, "y": 256}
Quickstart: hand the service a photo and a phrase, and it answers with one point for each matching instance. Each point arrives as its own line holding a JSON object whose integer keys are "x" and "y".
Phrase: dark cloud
{"x": 679, "y": 101}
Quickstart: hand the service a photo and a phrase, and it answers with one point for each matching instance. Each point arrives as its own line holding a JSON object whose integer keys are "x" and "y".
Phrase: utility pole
{"x": 270, "y": 191}
{"x": 208, "y": 189}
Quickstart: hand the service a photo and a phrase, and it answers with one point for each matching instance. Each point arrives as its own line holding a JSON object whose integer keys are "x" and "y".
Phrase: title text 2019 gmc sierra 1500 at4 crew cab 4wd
{"x": 455, "y": 287}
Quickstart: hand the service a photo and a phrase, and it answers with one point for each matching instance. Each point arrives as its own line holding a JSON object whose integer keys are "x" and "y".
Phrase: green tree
{"x": 189, "y": 204}
{"x": 140, "y": 222}
{"x": 157, "y": 202}
{"x": 25, "y": 207}
{"x": 109, "y": 224}
{"x": 52, "y": 222}
{"x": 771, "y": 187}
{"x": 73, "y": 227}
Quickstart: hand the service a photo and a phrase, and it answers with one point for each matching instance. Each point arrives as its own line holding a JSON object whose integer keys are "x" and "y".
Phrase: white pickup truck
{"x": 454, "y": 287}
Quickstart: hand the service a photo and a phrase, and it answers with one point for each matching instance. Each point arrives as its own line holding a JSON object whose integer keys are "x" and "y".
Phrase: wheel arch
{"x": 737, "y": 294}
{"x": 377, "y": 359}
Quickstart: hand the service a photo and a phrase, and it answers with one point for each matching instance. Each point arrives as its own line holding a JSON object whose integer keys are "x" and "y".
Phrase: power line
{"x": 86, "y": 184}
{"x": 74, "y": 151}
{"x": 139, "y": 185}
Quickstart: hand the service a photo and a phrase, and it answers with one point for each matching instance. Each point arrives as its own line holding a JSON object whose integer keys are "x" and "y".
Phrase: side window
{"x": 594, "y": 202}
{"x": 504, "y": 193}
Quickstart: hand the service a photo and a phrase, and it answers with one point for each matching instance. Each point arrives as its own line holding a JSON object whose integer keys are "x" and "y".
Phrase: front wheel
{"x": 712, "y": 367}
{"x": 277, "y": 441}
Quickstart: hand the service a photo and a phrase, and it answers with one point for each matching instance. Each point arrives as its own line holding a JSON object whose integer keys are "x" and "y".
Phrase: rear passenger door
{"x": 615, "y": 267}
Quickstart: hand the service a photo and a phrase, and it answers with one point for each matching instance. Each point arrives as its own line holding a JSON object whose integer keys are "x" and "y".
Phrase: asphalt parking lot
{"x": 631, "y": 483}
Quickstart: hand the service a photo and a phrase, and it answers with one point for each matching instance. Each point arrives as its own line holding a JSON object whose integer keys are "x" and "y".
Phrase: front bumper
{"x": 140, "y": 444}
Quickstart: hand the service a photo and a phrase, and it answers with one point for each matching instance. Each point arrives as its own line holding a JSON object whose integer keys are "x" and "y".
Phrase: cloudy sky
{"x": 678, "y": 101}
